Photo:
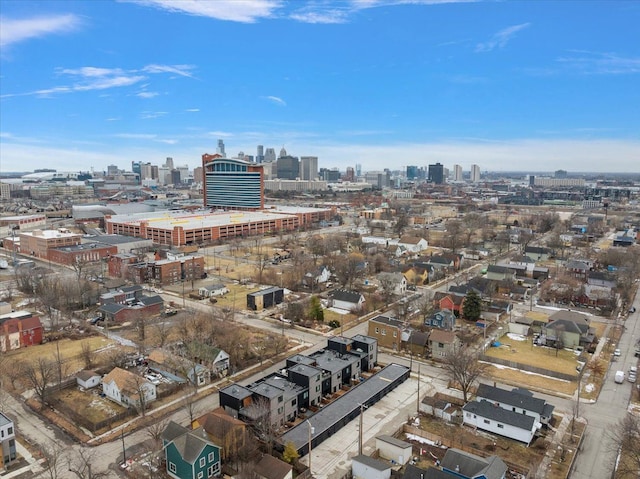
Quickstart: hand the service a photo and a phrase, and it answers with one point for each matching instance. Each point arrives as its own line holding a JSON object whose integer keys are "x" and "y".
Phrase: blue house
{"x": 189, "y": 453}
{"x": 443, "y": 319}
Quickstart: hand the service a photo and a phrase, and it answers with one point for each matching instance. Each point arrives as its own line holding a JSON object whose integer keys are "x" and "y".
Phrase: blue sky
{"x": 515, "y": 85}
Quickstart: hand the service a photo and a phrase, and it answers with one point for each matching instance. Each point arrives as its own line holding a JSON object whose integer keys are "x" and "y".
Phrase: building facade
{"x": 232, "y": 184}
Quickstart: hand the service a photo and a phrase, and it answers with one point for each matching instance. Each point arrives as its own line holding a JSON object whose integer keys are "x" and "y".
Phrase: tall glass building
{"x": 232, "y": 184}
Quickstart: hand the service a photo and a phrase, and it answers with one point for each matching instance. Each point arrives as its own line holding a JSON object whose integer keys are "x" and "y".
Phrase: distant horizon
{"x": 376, "y": 82}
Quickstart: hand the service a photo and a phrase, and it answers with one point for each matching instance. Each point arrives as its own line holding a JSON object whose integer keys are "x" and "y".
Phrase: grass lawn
{"x": 70, "y": 350}
{"x": 531, "y": 381}
{"x": 523, "y": 352}
{"x": 88, "y": 405}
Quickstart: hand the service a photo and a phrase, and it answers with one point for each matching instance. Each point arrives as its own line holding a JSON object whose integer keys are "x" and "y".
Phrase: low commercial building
{"x": 265, "y": 298}
{"x": 38, "y": 243}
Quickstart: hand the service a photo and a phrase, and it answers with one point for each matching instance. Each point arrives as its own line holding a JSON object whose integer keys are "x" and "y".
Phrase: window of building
{"x": 200, "y": 475}
{"x": 384, "y": 332}
{"x": 486, "y": 421}
{"x": 501, "y": 426}
{"x": 395, "y": 334}
{"x": 377, "y": 330}
{"x": 210, "y": 471}
{"x": 172, "y": 467}
{"x": 210, "y": 457}
{"x": 202, "y": 462}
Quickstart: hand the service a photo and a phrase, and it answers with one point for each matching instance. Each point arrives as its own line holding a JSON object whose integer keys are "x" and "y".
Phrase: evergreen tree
{"x": 472, "y": 306}
{"x": 316, "y": 312}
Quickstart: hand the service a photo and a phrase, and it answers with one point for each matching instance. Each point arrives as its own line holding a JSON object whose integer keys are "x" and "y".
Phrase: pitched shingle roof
{"x": 518, "y": 397}
{"x": 346, "y": 295}
{"x": 486, "y": 409}
{"x": 470, "y": 465}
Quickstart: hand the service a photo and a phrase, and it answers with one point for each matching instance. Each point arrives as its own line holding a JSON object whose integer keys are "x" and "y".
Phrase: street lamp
{"x": 311, "y": 432}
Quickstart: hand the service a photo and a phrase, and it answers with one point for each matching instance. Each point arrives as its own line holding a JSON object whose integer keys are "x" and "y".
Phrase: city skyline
{"x": 376, "y": 83}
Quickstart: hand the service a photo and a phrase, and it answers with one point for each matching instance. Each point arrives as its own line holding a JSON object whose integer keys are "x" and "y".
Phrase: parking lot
{"x": 330, "y": 460}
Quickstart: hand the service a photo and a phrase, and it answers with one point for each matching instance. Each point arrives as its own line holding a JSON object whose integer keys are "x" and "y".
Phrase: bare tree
{"x": 190, "y": 405}
{"x": 264, "y": 425}
{"x": 53, "y": 455}
{"x": 163, "y": 329}
{"x": 88, "y": 355}
{"x": 462, "y": 367}
{"x": 80, "y": 465}
{"x": 625, "y": 441}
{"x": 39, "y": 374}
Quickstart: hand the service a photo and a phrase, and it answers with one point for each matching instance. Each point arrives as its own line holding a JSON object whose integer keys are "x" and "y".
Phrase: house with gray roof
{"x": 365, "y": 467}
{"x": 346, "y": 299}
{"x": 469, "y": 466}
{"x": 486, "y": 416}
{"x": 518, "y": 400}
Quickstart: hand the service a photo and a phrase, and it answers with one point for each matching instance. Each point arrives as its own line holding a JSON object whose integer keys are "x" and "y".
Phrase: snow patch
{"x": 590, "y": 388}
{"x": 423, "y": 440}
{"x": 516, "y": 337}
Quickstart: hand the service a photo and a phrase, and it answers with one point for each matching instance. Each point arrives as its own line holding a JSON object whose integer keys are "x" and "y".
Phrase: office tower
{"x": 169, "y": 163}
{"x": 350, "y": 174}
{"x": 241, "y": 155}
{"x": 331, "y": 175}
{"x": 436, "y": 174}
{"x": 198, "y": 174}
{"x": 308, "y": 167}
{"x": 112, "y": 170}
{"x": 220, "y": 150}
{"x": 457, "y": 173}
{"x": 184, "y": 173}
{"x": 288, "y": 167}
{"x": 136, "y": 167}
{"x": 232, "y": 184}
{"x": 475, "y": 173}
{"x": 560, "y": 174}
{"x": 260, "y": 154}
{"x": 175, "y": 177}
{"x": 283, "y": 152}
{"x": 155, "y": 174}
{"x": 412, "y": 172}
{"x": 164, "y": 175}
{"x": 358, "y": 170}
{"x": 270, "y": 154}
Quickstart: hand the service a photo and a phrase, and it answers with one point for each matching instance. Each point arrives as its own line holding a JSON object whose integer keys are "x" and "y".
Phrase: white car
{"x": 617, "y": 353}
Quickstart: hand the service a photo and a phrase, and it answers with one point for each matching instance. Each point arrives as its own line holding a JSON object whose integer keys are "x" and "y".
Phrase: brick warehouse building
{"x": 82, "y": 253}
{"x": 38, "y": 243}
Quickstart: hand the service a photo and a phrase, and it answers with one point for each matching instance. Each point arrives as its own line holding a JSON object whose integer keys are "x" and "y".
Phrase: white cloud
{"x": 501, "y": 38}
{"x": 275, "y": 99}
{"x": 600, "y": 63}
{"x": 220, "y": 134}
{"x": 181, "y": 70}
{"x": 136, "y": 136}
{"x": 94, "y": 78}
{"x": 14, "y": 31}
{"x": 192, "y": 110}
{"x": 91, "y": 72}
{"x": 149, "y": 115}
{"x": 330, "y": 15}
{"x": 245, "y": 11}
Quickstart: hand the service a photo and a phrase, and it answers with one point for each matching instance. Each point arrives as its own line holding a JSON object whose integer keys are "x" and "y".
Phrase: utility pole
{"x": 311, "y": 431}
{"x": 124, "y": 452}
{"x": 418, "y": 400}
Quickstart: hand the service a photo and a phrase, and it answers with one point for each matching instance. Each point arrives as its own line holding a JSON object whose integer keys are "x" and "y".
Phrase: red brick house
{"x": 19, "y": 329}
{"x": 452, "y": 302}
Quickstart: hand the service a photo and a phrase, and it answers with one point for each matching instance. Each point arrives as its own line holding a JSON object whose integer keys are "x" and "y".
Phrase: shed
{"x": 88, "y": 379}
{"x": 365, "y": 467}
{"x": 394, "y": 449}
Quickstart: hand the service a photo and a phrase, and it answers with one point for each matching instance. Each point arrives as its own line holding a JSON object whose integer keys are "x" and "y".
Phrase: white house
{"x": 128, "y": 389}
{"x": 484, "y": 415}
{"x": 413, "y": 244}
{"x": 394, "y": 449}
{"x": 213, "y": 290}
{"x": 518, "y": 400}
{"x": 397, "y": 281}
{"x": 365, "y": 467}
{"x": 319, "y": 275}
{"x": 346, "y": 299}
{"x": 7, "y": 441}
{"x": 88, "y": 379}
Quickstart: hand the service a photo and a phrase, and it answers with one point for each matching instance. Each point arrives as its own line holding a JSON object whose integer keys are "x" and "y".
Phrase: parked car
{"x": 633, "y": 372}
{"x": 619, "y": 377}
{"x": 617, "y": 353}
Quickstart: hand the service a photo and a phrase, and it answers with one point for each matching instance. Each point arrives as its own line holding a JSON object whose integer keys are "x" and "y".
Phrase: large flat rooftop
{"x": 172, "y": 219}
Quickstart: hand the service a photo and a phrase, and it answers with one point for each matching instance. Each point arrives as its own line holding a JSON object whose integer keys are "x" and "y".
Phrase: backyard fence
{"x": 525, "y": 472}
